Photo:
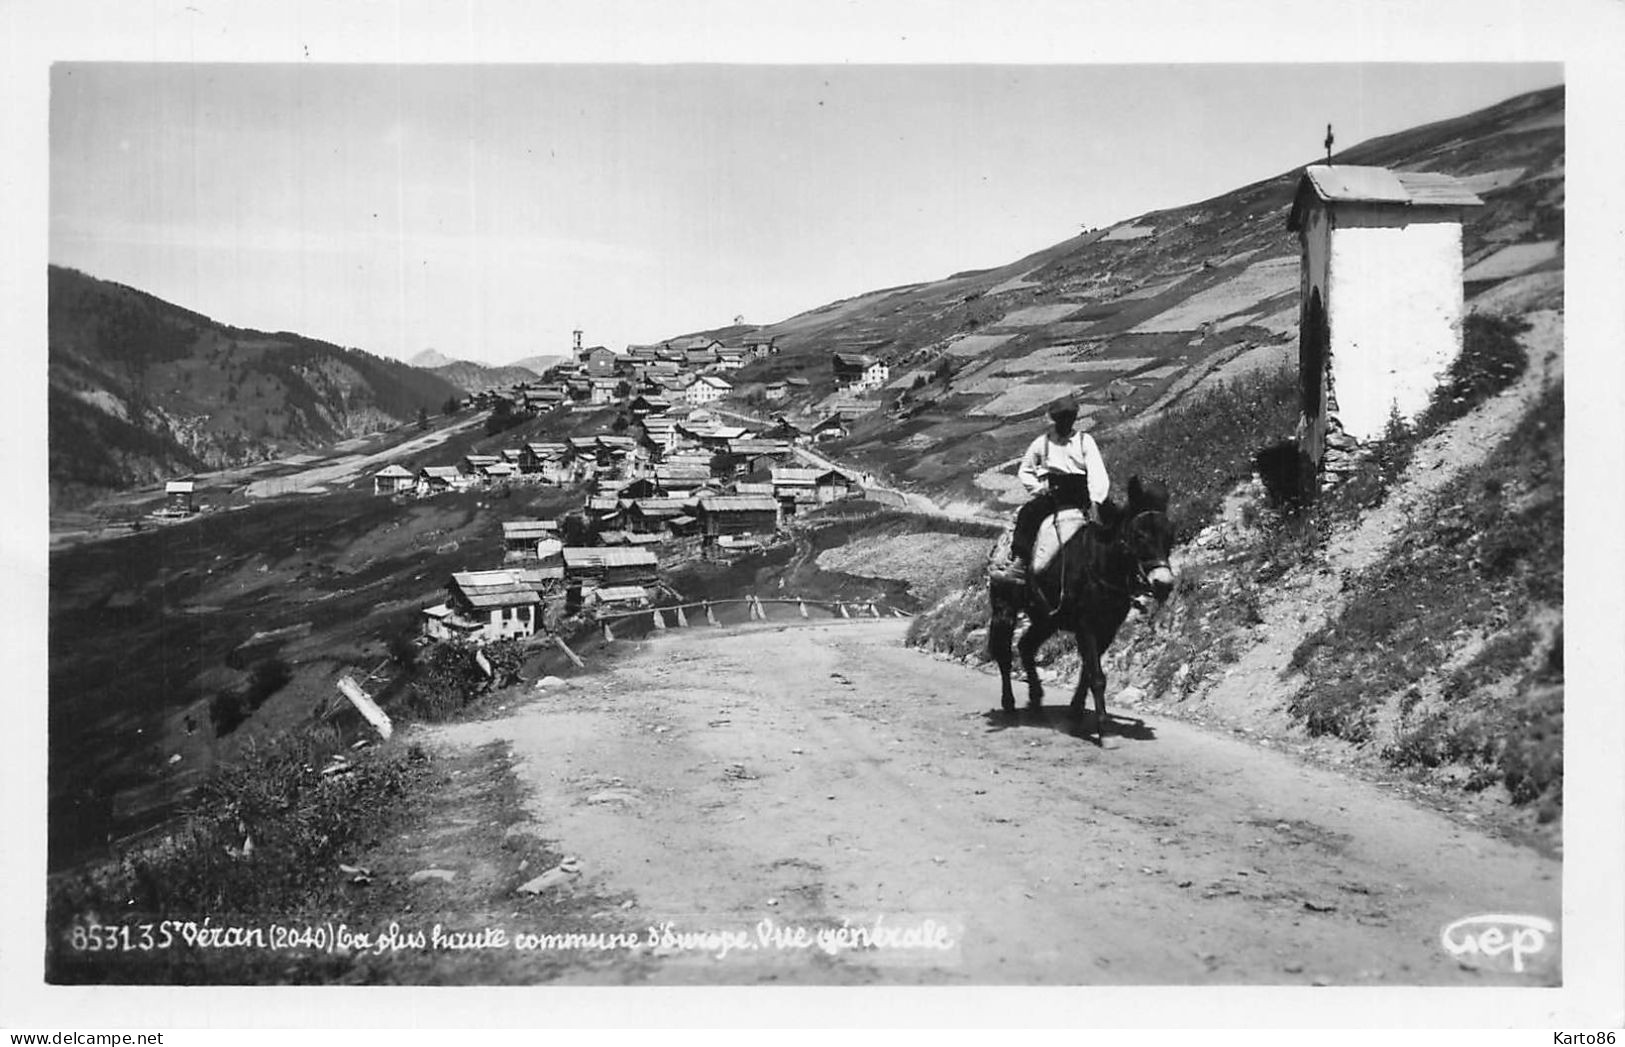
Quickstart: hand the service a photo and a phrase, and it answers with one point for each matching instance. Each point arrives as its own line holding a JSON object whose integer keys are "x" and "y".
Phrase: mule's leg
{"x": 1091, "y": 677}
{"x": 1041, "y": 629}
{"x": 1100, "y": 704}
{"x": 999, "y": 632}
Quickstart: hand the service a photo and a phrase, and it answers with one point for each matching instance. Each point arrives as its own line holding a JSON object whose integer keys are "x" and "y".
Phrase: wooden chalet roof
{"x": 708, "y": 431}
{"x": 750, "y": 489}
{"x": 440, "y": 472}
{"x": 485, "y": 589}
{"x": 548, "y": 450}
{"x": 581, "y": 557}
{"x": 393, "y": 472}
{"x": 761, "y": 447}
{"x": 517, "y": 530}
{"x": 481, "y": 459}
{"x": 738, "y": 503}
{"x": 795, "y": 477}
{"x": 684, "y": 468}
{"x": 660, "y": 505}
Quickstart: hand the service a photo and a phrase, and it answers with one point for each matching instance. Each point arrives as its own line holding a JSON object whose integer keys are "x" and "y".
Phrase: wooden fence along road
{"x": 657, "y": 616}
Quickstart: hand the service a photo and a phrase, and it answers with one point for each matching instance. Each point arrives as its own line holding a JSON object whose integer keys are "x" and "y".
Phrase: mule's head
{"x": 1148, "y": 536}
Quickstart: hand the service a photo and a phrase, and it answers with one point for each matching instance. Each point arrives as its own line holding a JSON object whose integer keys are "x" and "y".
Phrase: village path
{"x": 808, "y": 775}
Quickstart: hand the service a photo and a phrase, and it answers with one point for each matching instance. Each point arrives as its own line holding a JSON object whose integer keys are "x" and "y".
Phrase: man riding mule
{"x": 1084, "y": 582}
{"x": 1062, "y": 469}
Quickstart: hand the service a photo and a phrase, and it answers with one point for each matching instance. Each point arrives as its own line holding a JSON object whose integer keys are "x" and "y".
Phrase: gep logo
{"x": 1497, "y": 940}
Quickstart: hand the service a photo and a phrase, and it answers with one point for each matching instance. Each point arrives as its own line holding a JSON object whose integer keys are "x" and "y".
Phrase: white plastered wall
{"x": 1394, "y": 303}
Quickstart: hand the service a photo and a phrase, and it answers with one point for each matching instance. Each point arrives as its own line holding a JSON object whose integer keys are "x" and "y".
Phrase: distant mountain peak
{"x": 431, "y": 358}
{"x": 540, "y": 364}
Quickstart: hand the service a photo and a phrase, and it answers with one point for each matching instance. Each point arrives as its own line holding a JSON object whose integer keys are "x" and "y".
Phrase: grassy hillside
{"x": 195, "y": 640}
{"x": 142, "y": 389}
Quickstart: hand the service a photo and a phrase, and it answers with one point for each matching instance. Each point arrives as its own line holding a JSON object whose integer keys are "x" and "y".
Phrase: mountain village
{"x": 672, "y": 480}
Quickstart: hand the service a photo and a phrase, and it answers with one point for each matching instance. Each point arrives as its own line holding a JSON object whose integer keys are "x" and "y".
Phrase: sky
{"x": 489, "y": 210}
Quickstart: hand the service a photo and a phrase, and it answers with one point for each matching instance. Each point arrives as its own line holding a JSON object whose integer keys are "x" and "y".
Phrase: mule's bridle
{"x": 1141, "y": 582}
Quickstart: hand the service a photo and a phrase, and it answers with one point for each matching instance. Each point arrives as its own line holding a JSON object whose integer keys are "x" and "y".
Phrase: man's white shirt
{"x": 1077, "y": 454}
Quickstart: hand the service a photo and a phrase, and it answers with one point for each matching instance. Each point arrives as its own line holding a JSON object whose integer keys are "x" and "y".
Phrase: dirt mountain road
{"x": 766, "y": 778}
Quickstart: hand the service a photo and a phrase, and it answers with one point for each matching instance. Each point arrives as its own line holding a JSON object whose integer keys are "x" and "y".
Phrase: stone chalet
{"x": 707, "y": 388}
{"x": 437, "y": 479}
{"x": 484, "y": 606}
{"x": 859, "y": 371}
{"x": 393, "y": 480}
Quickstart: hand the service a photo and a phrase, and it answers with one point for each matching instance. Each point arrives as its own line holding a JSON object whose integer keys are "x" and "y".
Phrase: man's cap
{"x": 1065, "y": 406}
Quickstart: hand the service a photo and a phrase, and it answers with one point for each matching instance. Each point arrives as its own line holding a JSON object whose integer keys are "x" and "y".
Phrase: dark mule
{"x": 1086, "y": 589}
